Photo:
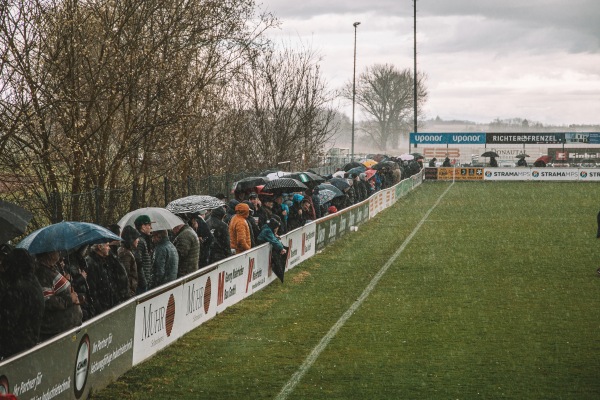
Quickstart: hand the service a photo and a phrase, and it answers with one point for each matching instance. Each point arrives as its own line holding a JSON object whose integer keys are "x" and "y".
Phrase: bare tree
{"x": 385, "y": 95}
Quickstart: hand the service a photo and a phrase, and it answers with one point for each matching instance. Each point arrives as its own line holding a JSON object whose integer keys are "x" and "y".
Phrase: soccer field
{"x": 466, "y": 290}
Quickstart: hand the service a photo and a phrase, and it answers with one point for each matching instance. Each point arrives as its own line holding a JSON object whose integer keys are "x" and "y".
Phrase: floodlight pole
{"x": 353, "y": 90}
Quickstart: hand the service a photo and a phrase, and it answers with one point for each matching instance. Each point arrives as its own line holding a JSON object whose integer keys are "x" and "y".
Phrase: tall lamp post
{"x": 354, "y": 88}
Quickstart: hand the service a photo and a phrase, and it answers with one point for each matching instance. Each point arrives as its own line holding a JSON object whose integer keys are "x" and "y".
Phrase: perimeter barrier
{"x": 533, "y": 174}
{"x": 86, "y": 359}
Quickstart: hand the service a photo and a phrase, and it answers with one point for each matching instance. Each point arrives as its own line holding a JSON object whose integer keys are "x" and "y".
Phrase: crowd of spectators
{"x": 45, "y": 294}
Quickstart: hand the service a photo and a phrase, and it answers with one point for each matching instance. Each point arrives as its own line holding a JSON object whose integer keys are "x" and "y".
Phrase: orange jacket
{"x": 239, "y": 231}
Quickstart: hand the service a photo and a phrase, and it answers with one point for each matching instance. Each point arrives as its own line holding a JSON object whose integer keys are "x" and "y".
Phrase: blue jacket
{"x": 267, "y": 235}
{"x": 165, "y": 262}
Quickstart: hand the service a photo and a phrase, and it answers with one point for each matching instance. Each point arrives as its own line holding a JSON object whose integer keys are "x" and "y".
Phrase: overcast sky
{"x": 484, "y": 59}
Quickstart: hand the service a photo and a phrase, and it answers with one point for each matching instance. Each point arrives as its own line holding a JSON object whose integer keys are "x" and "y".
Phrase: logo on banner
{"x": 4, "y": 387}
{"x": 488, "y": 174}
{"x": 196, "y": 298}
{"x": 82, "y": 366}
{"x": 207, "y": 293}
{"x": 221, "y": 288}
{"x": 583, "y": 174}
{"x": 251, "y": 274}
{"x": 303, "y": 244}
{"x": 535, "y": 174}
{"x": 155, "y": 320}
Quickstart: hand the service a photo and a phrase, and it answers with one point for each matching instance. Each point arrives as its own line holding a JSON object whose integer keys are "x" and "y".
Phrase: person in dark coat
{"x": 205, "y": 237}
{"x": 221, "y": 245}
{"x": 131, "y": 239}
{"x": 61, "y": 303}
{"x": 296, "y": 217}
{"x": 21, "y": 304}
{"x": 104, "y": 288}
{"x": 165, "y": 260}
{"x": 254, "y": 229}
{"x": 446, "y": 162}
{"x": 143, "y": 253}
{"x": 188, "y": 249}
{"x": 493, "y": 162}
{"x": 268, "y": 234}
{"x": 230, "y": 210}
{"x": 77, "y": 267}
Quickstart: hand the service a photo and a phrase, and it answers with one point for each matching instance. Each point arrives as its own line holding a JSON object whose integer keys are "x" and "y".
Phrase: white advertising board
{"x": 554, "y": 174}
{"x": 590, "y": 175}
{"x": 507, "y": 174}
{"x": 157, "y": 323}
{"x": 199, "y": 300}
{"x": 302, "y": 244}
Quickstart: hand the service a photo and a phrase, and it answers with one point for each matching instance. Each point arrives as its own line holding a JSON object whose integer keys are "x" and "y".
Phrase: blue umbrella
{"x": 357, "y": 170}
{"x": 65, "y": 236}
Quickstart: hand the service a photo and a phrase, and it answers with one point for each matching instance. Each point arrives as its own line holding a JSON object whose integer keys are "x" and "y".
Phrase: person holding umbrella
{"x": 221, "y": 245}
{"x": 188, "y": 248}
{"x": 106, "y": 278}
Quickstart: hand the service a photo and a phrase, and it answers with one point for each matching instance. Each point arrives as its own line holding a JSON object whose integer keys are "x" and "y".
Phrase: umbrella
{"x": 13, "y": 221}
{"x": 417, "y": 155}
{"x": 162, "y": 219}
{"x": 369, "y": 173}
{"x": 356, "y": 170}
{"x": 276, "y": 175}
{"x": 328, "y": 186}
{"x": 284, "y": 185}
{"x": 385, "y": 164}
{"x": 249, "y": 183}
{"x": 369, "y": 163}
{"x": 340, "y": 183}
{"x": 350, "y": 165}
{"x": 308, "y": 178}
{"x": 194, "y": 204}
{"x": 325, "y": 195}
{"x": 523, "y": 155}
{"x": 65, "y": 236}
{"x": 278, "y": 263}
{"x": 339, "y": 174}
{"x": 406, "y": 157}
{"x": 490, "y": 154}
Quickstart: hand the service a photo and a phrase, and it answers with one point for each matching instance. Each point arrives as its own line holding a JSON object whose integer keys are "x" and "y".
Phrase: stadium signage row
{"x": 512, "y": 174}
{"x": 473, "y": 138}
{"x": 102, "y": 349}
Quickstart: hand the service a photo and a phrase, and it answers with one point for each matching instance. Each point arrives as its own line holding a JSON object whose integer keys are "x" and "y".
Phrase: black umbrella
{"x": 385, "y": 164}
{"x": 523, "y": 155}
{"x": 340, "y": 183}
{"x": 278, "y": 263}
{"x": 13, "y": 221}
{"x": 308, "y": 178}
{"x": 249, "y": 183}
{"x": 350, "y": 165}
{"x": 490, "y": 154}
{"x": 328, "y": 186}
{"x": 284, "y": 185}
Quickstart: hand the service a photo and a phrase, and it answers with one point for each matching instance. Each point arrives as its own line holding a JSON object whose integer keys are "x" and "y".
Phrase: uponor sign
{"x": 447, "y": 138}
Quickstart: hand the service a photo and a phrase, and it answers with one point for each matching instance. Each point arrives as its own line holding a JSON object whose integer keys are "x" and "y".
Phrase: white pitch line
{"x": 314, "y": 354}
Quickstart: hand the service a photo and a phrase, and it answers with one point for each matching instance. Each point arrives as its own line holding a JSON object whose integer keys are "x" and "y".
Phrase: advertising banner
{"x": 554, "y": 174}
{"x": 376, "y": 203}
{"x": 445, "y": 174}
{"x": 231, "y": 282}
{"x": 199, "y": 299}
{"x": 68, "y": 368}
{"x": 431, "y": 174}
{"x": 468, "y": 174}
{"x": 507, "y": 174}
{"x": 302, "y": 243}
{"x": 589, "y": 175}
{"x": 525, "y": 138}
{"x": 448, "y": 138}
{"x": 158, "y": 322}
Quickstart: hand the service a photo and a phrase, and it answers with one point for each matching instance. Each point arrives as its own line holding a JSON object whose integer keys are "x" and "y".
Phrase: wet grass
{"x": 495, "y": 297}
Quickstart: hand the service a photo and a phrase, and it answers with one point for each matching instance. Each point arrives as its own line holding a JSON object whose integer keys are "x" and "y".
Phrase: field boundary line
{"x": 291, "y": 384}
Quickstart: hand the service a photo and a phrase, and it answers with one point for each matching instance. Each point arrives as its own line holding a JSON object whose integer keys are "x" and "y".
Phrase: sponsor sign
{"x": 90, "y": 357}
{"x": 302, "y": 244}
{"x": 430, "y": 174}
{"x": 199, "y": 300}
{"x": 554, "y": 174}
{"x": 507, "y": 174}
{"x": 468, "y": 174}
{"x": 589, "y": 175}
{"x": 531, "y": 138}
{"x": 448, "y": 138}
{"x": 376, "y": 203}
{"x": 158, "y": 322}
{"x": 445, "y": 174}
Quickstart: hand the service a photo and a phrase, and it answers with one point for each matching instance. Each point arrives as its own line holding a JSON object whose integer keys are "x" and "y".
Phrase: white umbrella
{"x": 161, "y": 218}
{"x": 194, "y": 204}
{"x": 339, "y": 174}
{"x": 406, "y": 157}
{"x": 276, "y": 175}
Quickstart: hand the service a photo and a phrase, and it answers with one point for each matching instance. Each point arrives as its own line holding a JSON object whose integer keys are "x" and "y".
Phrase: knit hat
{"x": 242, "y": 208}
{"x": 129, "y": 235}
{"x": 142, "y": 220}
{"x": 297, "y": 198}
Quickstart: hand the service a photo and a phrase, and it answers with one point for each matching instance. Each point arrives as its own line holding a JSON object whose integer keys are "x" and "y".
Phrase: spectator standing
{"x": 221, "y": 245}
{"x": 188, "y": 249}
{"x": 239, "y": 230}
{"x": 206, "y": 238}
{"x": 432, "y": 162}
{"x": 21, "y": 304}
{"x": 165, "y": 259}
{"x": 61, "y": 303}
{"x": 131, "y": 239}
{"x": 77, "y": 267}
{"x": 103, "y": 287}
{"x": 143, "y": 252}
